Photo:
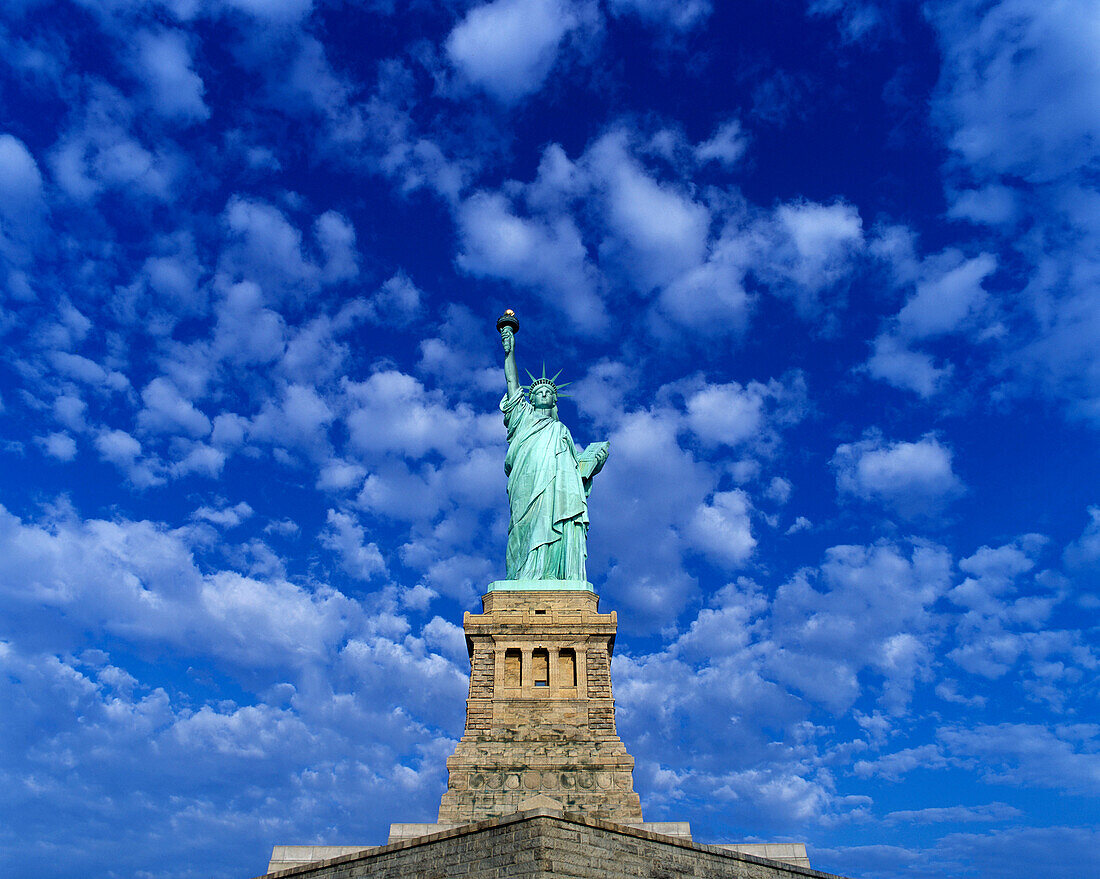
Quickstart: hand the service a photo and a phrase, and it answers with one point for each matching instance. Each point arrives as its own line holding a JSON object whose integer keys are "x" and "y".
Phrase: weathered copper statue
{"x": 548, "y": 478}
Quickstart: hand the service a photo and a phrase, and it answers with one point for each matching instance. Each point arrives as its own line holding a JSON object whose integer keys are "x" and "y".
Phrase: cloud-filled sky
{"x": 826, "y": 273}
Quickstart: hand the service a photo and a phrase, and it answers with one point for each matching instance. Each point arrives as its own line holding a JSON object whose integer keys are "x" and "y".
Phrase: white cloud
{"x": 282, "y": 527}
{"x": 459, "y": 575}
{"x": 648, "y": 474}
{"x": 727, "y": 700}
{"x": 1005, "y": 609}
{"x": 726, "y": 146}
{"x": 858, "y": 18}
{"x": 419, "y": 597}
{"x": 681, "y": 15}
{"x": 398, "y": 302}
{"x": 899, "y": 763}
{"x": 1032, "y": 755}
{"x": 98, "y": 152}
{"x": 298, "y": 421}
{"x": 1002, "y": 63}
{"x": 338, "y": 474}
{"x": 455, "y": 360}
{"x": 910, "y": 478}
{"x": 173, "y": 275}
{"x": 894, "y": 362}
{"x": 943, "y": 302}
{"x": 800, "y": 524}
{"x": 818, "y": 232}
{"x": 229, "y": 430}
{"x": 70, "y": 410}
{"x": 557, "y": 183}
{"x": 393, "y": 412}
{"x": 448, "y": 638}
{"x": 88, "y": 371}
{"x": 139, "y": 581}
{"x": 21, "y": 204}
{"x": 778, "y": 490}
{"x": 1063, "y": 851}
{"x": 394, "y": 490}
{"x": 246, "y": 331}
{"x": 227, "y": 517}
{"x": 1015, "y": 152}
{"x": 380, "y": 660}
{"x": 650, "y": 233}
{"x": 507, "y": 47}
{"x": 547, "y": 255}
{"x": 721, "y": 529}
{"x": 1063, "y": 357}
{"x": 200, "y": 458}
{"x": 321, "y": 750}
{"x": 267, "y": 249}
{"x": 1083, "y": 555}
{"x": 735, "y": 415}
{"x": 727, "y": 414}
{"x": 992, "y": 205}
{"x": 276, "y": 11}
{"x": 309, "y": 84}
{"x": 874, "y": 610}
{"x": 711, "y": 299}
{"x": 388, "y": 139}
{"x": 948, "y": 690}
{"x": 993, "y": 571}
{"x": 810, "y": 249}
{"x": 166, "y": 411}
{"x": 121, "y": 449}
{"x": 163, "y": 58}
{"x": 654, "y": 232}
{"x": 602, "y": 392}
{"x": 313, "y": 356}
{"x": 652, "y": 469}
{"x": 336, "y": 237}
{"x": 58, "y": 445}
{"x": 344, "y": 536}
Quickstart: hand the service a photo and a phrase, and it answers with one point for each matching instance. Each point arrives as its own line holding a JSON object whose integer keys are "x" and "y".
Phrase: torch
{"x": 508, "y": 319}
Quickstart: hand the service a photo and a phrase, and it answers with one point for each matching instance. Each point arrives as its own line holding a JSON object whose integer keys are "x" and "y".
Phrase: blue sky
{"x": 826, "y": 274}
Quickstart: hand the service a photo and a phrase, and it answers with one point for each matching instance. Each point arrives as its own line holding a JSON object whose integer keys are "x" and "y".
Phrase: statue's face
{"x": 543, "y": 397}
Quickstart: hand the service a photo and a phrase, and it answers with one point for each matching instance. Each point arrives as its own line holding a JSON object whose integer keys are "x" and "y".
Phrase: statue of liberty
{"x": 548, "y": 478}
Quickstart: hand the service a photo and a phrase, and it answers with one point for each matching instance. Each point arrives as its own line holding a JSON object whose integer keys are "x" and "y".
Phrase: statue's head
{"x": 543, "y": 392}
{"x": 544, "y": 396}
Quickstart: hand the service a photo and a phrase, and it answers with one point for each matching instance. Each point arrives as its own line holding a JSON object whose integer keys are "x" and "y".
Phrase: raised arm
{"x": 511, "y": 375}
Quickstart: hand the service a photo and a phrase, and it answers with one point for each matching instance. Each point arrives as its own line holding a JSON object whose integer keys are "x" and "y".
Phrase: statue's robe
{"x": 546, "y": 494}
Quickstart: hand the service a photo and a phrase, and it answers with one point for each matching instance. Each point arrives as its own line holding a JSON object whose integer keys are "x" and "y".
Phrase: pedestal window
{"x": 540, "y": 667}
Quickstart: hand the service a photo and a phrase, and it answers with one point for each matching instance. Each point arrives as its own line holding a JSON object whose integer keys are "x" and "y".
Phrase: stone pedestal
{"x": 540, "y": 718}
{"x": 540, "y": 785}
{"x": 544, "y": 844}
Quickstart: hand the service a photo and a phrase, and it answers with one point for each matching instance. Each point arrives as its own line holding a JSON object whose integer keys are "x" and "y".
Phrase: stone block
{"x": 284, "y": 857}
{"x": 787, "y": 852}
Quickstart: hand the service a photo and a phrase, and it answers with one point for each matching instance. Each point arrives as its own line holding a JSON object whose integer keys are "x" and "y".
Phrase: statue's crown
{"x": 543, "y": 381}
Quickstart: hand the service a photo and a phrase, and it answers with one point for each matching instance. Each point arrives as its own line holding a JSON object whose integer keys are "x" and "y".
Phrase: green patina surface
{"x": 549, "y": 479}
